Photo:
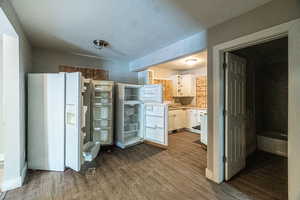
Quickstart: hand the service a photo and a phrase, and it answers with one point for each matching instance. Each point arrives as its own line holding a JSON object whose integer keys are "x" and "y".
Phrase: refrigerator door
{"x": 151, "y": 93}
{"x": 74, "y": 136}
{"x": 156, "y": 123}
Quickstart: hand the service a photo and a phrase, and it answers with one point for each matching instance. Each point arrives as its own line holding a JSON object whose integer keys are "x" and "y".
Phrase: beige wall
{"x": 271, "y": 14}
{"x": 48, "y": 61}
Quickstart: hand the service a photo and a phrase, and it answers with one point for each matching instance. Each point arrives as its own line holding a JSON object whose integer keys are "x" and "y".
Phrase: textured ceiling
{"x": 134, "y": 28}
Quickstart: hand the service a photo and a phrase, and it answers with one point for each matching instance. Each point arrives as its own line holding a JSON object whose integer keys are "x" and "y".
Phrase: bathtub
{"x": 273, "y": 142}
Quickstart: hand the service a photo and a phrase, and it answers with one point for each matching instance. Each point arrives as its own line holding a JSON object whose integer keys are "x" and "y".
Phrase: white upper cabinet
{"x": 184, "y": 85}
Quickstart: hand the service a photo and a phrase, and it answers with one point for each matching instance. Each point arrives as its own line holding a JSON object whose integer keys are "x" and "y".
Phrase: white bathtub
{"x": 273, "y": 142}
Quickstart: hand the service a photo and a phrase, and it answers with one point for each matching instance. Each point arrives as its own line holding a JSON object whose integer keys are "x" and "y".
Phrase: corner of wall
{"x": 187, "y": 46}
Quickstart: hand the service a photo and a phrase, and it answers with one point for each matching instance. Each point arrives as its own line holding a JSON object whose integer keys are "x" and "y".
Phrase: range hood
{"x": 184, "y": 100}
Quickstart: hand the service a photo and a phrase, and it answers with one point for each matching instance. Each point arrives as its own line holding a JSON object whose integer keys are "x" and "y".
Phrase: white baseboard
{"x": 11, "y": 184}
{"x": 209, "y": 174}
{"x": 271, "y": 145}
{"x": 16, "y": 182}
{"x": 1, "y": 157}
{"x": 24, "y": 173}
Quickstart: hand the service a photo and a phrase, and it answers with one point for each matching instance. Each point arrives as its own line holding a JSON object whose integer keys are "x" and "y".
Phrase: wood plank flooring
{"x": 142, "y": 172}
{"x": 265, "y": 177}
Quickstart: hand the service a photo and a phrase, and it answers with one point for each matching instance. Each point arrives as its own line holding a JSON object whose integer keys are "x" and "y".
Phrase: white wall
{"x": 45, "y": 60}
{"x": 15, "y": 151}
{"x": 1, "y": 101}
{"x": 11, "y": 125}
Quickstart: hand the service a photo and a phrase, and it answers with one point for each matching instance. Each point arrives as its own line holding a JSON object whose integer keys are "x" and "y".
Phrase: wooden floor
{"x": 265, "y": 178}
{"x": 142, "y": 172}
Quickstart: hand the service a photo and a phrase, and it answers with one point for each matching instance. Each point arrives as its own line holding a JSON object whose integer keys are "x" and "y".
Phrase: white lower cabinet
{"x": 171, "y": 121}
{"x": 177, "y": 119}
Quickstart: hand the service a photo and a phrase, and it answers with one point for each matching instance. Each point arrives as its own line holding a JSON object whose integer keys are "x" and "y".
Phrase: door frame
{"x": 12, "y": 106}
{"x": 217, "y": 173}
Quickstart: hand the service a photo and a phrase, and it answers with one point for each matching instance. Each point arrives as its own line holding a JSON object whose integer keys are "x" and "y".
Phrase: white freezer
{"x": 141, "y": 115}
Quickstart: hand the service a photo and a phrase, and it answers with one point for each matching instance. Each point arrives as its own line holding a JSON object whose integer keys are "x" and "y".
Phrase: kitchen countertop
{"x": 177, "y": 107}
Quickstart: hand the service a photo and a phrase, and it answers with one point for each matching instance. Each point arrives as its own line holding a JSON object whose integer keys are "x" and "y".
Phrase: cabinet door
{"x": 179, "y": 85}
{"x": 176, "y": 120}
{"x": 185, "y": 85}
{"x": 182, "y": 119}
{"x": 175, "y": 86}
{"x": 170, "y": 120}
{"x": 189, "y": 119}
{"x": 188, "y": 85}
{"x": 171, "y": 125}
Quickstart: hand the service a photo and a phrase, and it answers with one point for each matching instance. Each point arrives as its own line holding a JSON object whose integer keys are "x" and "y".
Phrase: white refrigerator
{"x": 56, "y": 121}
{"x": 141, "y": 115}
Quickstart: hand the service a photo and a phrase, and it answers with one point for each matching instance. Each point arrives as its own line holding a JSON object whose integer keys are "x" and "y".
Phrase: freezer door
{"x": 152, "y": 94}
{"x": 74, "y": 136}
{"x": 156, "y": 123}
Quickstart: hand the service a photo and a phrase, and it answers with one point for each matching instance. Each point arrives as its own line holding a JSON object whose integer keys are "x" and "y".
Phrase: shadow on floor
{"x": 265, "y": 177}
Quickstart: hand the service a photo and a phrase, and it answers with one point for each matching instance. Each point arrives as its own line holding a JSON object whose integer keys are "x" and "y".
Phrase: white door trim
{"x": 217, "y": 173}
{"x": 1, "y": 157}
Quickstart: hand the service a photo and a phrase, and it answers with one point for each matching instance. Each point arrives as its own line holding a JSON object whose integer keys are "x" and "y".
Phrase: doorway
{"x": 184, "y": 82}
{"x": 215, "y": 170}
{"x": 256, "y": 119}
